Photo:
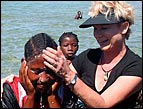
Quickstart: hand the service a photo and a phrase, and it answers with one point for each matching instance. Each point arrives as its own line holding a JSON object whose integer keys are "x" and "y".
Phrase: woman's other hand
{"x": 24, "y": 80}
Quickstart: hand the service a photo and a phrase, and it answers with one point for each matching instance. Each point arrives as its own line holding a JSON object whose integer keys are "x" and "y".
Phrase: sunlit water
{"x": 22, "y": 19}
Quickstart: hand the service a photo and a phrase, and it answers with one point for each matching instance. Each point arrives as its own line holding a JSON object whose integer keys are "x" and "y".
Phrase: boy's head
{"x": 69, "y": 44}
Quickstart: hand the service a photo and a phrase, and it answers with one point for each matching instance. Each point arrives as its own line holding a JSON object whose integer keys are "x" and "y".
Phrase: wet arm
{"x": 110, "y": 97}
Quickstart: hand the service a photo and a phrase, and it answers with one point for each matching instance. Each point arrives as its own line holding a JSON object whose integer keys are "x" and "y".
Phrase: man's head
{"x": 69, "y": 44}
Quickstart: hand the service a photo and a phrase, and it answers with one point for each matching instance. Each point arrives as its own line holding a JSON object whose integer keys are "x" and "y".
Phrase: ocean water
{"x": 22, "y": 19}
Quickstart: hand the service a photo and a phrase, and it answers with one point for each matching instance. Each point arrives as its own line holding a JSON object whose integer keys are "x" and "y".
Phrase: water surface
{"x": 22, "y": 19}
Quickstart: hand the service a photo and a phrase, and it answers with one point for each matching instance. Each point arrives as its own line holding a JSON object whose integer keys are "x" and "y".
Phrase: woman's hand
{"x": 55, "y": 87}
{"x": 54, "y": 59}
{"x": 57, "y": 62}
{"x": 53, "y": 99}
{"x": 24, "y": 80}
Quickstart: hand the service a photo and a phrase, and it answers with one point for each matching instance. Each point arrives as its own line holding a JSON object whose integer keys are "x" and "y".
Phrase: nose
{"x": 43, "y": 77}
{"x": 69, "y": 47}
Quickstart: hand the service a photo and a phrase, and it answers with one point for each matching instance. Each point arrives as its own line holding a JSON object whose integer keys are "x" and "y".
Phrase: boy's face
{"x": 69, "y": 46}
{"x": 41, "y": 77}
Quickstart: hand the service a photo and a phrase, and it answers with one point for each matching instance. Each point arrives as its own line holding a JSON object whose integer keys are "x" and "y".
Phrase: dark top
{"x": 130, "y": 65}
{"x": 70, "y": 100}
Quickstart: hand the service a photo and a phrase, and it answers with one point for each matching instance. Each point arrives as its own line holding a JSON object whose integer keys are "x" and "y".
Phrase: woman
{"x": 36, "y": 86}
{"x": 109, "y": 76}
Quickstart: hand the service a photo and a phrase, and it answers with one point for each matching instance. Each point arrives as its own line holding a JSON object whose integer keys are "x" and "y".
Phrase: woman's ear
{"x": 77, "y": 47}
{"x": 23, "y": 66}
{"x": 125, "y": 27}
{"x": 22, "y": 60}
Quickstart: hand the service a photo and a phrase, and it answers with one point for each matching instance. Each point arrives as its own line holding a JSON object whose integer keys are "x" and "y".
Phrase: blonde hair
{"x": 120, "y": 9}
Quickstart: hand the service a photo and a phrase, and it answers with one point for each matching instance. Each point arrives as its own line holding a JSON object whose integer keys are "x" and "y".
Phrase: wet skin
{"x": 41, "y": 77}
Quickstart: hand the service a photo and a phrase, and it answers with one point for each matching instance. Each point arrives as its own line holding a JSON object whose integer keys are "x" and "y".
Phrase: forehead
{"x": 70, "y": 38}
{"x": 38, "y": 60}
{"x": 105, "y": 25}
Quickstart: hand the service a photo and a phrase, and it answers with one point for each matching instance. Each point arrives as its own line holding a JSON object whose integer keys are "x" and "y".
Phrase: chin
{"x": 40, "y": 89}
{"x": 105, "y": 48}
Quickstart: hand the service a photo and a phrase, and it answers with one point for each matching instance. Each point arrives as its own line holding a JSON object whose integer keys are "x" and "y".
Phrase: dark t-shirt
{"x": 130, "y": 65}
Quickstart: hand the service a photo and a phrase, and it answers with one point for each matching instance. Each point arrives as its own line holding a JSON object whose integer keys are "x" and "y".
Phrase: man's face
{"x": 69, "y": 46}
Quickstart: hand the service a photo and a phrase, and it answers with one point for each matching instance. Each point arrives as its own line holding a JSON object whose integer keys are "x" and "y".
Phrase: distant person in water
{"x": 79, "y": 15}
